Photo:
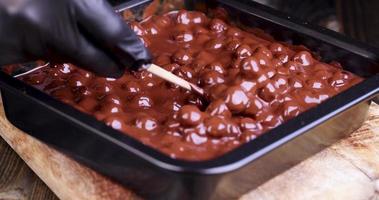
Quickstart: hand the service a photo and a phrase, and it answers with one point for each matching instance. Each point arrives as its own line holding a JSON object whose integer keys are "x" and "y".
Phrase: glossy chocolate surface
{"x": 253, "y": 85}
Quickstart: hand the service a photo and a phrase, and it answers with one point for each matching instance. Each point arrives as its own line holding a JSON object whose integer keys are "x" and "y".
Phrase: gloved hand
{"x": 87, "y": 33}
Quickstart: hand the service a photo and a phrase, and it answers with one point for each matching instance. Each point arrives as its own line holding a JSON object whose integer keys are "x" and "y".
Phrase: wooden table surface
{"x": 347, "y": 170}
{"x": 17, "y": 180}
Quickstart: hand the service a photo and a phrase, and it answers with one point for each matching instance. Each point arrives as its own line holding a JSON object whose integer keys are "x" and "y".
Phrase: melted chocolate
{"x": 253, "y": 85}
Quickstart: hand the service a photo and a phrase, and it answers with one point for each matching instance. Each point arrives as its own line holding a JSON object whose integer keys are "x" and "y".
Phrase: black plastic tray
{"x": 154, "y": 175}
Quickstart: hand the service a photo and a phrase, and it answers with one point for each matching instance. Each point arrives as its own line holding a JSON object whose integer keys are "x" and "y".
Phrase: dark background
{"x": 356, "y": 18}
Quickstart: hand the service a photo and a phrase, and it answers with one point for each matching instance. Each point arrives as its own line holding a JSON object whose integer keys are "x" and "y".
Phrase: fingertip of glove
{"x": 112, "y": 70}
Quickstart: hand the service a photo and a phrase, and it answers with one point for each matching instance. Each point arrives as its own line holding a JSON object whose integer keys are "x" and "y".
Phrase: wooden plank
{"x": 347, "y": 170}
{"x": 17, "y": 180}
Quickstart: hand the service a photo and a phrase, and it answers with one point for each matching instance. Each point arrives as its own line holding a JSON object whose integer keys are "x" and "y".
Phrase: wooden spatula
{"x": 172, "y": 78}
{"x": 152, "y": 68}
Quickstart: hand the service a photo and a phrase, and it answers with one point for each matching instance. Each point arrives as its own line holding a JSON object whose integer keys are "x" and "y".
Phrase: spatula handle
{"x": 168, "y": 76}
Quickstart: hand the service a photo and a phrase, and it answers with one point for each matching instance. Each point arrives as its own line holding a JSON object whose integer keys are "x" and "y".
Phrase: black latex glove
{"x": 87, "y": 33}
